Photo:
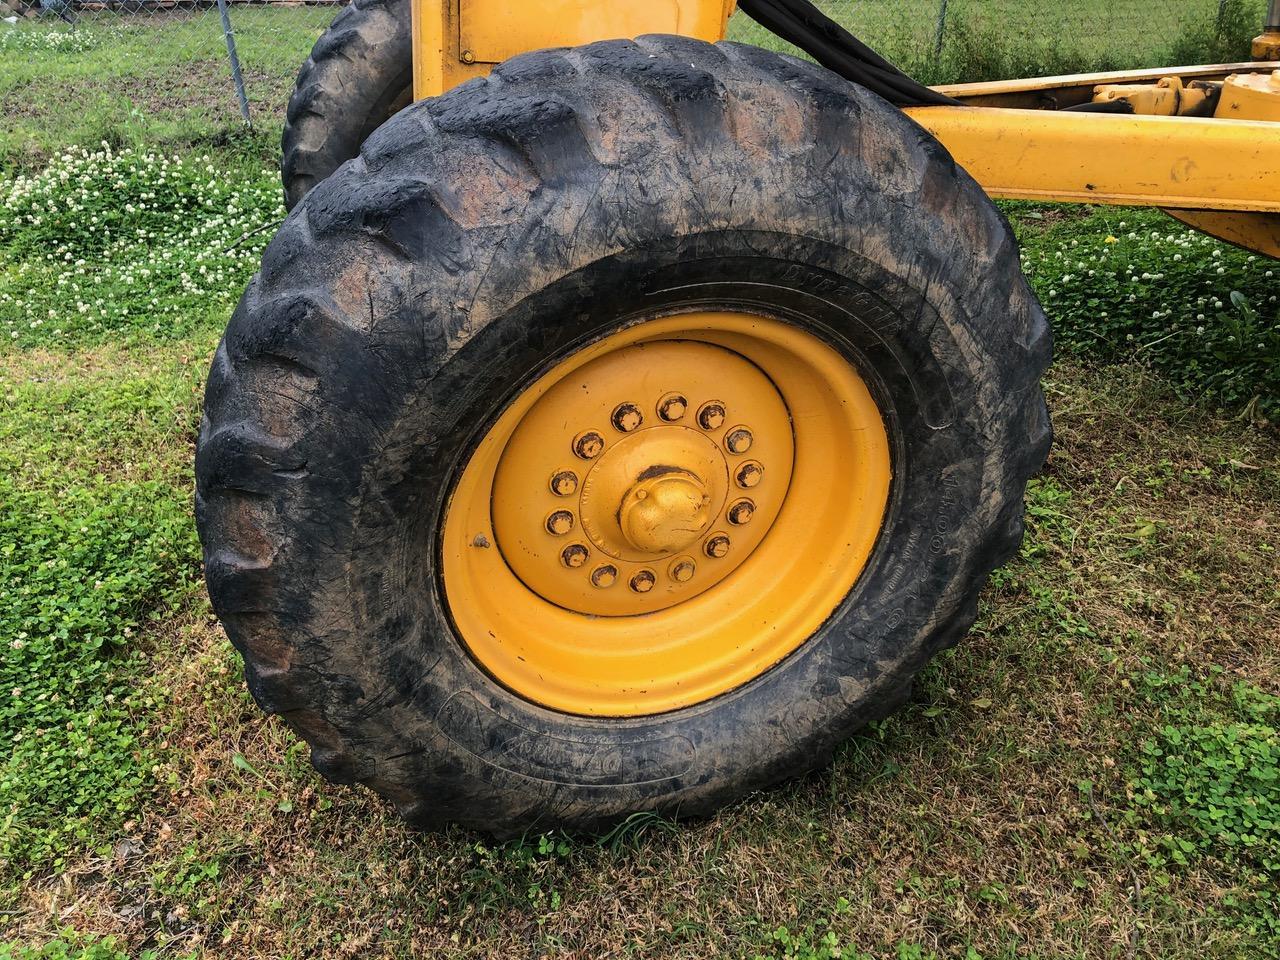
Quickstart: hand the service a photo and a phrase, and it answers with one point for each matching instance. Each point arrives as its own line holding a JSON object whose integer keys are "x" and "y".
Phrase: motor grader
{"x": 622, "y": 417}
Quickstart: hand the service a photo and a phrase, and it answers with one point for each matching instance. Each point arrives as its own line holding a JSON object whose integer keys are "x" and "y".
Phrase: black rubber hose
{"x": 843, "y": 57}
{"x": 801, "y": 23}
{"x": 1111, "y": 106}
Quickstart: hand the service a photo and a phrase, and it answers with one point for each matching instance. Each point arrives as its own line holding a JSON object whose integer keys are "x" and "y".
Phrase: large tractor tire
{"x": 359, "y": 74}
{"x": 620, "y": 432}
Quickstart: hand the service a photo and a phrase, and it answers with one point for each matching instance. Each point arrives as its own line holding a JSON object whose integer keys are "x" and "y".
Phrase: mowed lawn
{"x": 1094, "y": 773}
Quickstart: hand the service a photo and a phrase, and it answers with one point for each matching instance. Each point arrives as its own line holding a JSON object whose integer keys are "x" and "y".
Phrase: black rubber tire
{"x": 358, "y": 76}
{"x": 486, "y": 233}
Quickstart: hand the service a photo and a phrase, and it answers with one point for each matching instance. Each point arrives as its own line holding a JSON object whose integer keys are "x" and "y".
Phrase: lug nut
{"x": 717, "y": 547}
{"x": 740, "y": 511}
{"x": 588, "y": 445}
{"x": 682, "y": 570}
{"x": 574, "y": 555}
{"x": 626, "y": 417}
{"x": 604, "y": 576}
{"x": 749, "y": 474}
{"x": 738, "y": 440}
{"x": 711, "y": 415}
{"x": 559, "y": 523}
{"x": 564, "y": 483}
{"x": 643, "y": 581}
{"x": 672, "y": 407}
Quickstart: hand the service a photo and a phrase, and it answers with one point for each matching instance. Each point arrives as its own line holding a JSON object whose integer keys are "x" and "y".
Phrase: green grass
{"x": 1093, "y": 773}
{"x": 1001, "y": 39}
{"x": 149, "y": 82}
{"x": 1135, "y": 285}
{"x": 104, "y": 244}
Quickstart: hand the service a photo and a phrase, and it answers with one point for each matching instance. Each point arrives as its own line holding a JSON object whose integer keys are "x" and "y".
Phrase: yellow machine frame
{"x": 1218, "y": 173}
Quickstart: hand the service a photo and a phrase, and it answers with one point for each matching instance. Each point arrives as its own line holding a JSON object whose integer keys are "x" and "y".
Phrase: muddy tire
{"x": 358, "y": 76}
{"x": 483, "y": 235}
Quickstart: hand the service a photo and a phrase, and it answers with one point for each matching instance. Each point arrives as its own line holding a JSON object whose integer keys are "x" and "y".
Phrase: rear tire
{"x": 487, "y": 234}
{"x": 358, "y": 76}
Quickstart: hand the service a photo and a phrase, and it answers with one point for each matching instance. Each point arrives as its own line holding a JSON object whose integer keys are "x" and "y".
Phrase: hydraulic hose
{"x": 801, "y": 23}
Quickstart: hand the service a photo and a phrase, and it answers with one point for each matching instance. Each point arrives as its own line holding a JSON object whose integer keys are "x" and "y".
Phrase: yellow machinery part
{"x": 1259, "y": 232}
{"x": 1224, "y": 176}
{"x": 1167, "y": 97}
{"x": 666, "y": 514}
{"x": 1267, "y": 46}
{"x": 1177, "y": 162}
{"x": 1198, "y": 162}
{"x": 1251, "y": 96}
{"x": 455, "y": 40}
{"x": 1058, "y": 92}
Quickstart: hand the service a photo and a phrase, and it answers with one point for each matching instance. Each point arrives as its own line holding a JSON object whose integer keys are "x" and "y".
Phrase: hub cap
{"x": 655, "y": 483}
{"x": 666, "y": 514}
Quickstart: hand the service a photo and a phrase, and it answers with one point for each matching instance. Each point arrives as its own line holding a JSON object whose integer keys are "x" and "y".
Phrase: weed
{"x": 71, "y": 945}
{"x": 1129, "y": 285}
{"x": 805, "y": 945}
{"x": 78, "y": 576}
{"x": 94, "y": 547}
{"x": 816, "y": 941}
{"x": 1206, "y": 783}
{"x": 105, "y": 243}
{"x": 46, "y": 42}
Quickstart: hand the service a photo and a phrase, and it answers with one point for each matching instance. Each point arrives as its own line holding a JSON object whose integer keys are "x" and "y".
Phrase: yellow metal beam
{"x": 1259, "y": 232}
{"x": 456, "y": 40}
{"x": 1181, "y": 162}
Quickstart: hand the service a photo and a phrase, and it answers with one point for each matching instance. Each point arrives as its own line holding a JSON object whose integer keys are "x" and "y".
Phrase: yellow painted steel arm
{"x": 1259, "y": 232}
{"x": 1103, "y": 158}
{"x": 455, "y": 40}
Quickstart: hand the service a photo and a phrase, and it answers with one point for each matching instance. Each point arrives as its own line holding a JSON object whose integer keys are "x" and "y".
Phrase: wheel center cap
{"x": 665, "y": 511}
{"x": 653, "y": 493}
{"x": 643, "y": 479}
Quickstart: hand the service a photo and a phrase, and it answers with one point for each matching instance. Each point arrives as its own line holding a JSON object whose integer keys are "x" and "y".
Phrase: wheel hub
{"x": 645, "y": 458}
{"x": 653, "y": 493}
{"x": 665, "y": 514}
{"x": 665, "y": 511}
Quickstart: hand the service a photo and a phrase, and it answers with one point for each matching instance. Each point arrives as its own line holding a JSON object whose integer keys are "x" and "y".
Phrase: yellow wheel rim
{"x": 666, "y": 514}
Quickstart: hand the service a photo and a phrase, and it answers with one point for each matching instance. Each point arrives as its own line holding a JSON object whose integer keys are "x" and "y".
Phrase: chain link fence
{"x": 148, "y": 73}
{"x": 167, "y": 65}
